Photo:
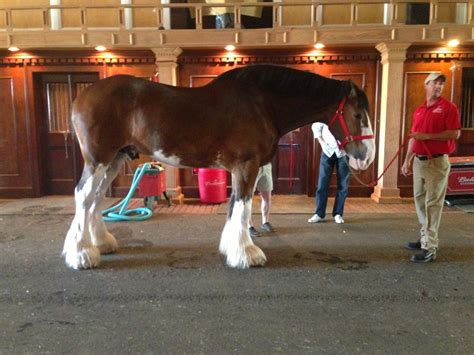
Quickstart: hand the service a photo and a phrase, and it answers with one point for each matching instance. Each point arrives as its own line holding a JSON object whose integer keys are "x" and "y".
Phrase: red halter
{"x": 348, "y": 138}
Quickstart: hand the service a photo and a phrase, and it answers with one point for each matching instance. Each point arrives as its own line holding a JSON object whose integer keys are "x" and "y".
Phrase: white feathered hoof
{"x": 252, "y": 255}
{"x": 84, "y": 258}
{"x": 107, "y": 245}
{"x": 255, "y": 255}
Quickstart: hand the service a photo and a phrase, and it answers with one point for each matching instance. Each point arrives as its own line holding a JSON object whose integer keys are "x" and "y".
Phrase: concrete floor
{"x": 327, "y": 288}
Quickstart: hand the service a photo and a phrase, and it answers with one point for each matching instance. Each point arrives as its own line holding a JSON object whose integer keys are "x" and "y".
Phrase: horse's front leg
{"x": 236, "y": 244}
{"x": 78, "y": 251}
{"x": 100, "y": 236}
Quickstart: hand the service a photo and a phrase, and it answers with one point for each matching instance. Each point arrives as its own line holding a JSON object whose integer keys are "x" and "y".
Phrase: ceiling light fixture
{"x": 13, "y": 49}
{"x": 319, "y": 45}
{"x": 230, "y": 47}
{"x": 100, "y": 48}
{"x": 453, "y": 43}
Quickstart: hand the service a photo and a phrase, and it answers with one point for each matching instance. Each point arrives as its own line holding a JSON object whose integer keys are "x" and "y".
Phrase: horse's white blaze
{"x": 236, "y": 244}
{"x": 369, "y": 144}
{"x": 78, "y": 250}
{"x": 171, "y": 160}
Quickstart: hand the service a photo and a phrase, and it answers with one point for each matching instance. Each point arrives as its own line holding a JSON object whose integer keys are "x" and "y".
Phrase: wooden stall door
{"x": 61, "y": 158}
{"x": 16, "y": 162}
{"x": 290, "y": 162}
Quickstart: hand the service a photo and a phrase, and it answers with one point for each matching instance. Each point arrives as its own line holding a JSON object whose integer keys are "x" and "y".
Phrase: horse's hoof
{"x": 107, "y": 244}
{"x": 252, "y": 256}
{"x": 255, "y": 256}
{"x": 86, "y": 258}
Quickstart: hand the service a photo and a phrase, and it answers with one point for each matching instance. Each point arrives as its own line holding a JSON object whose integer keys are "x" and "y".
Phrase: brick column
{"x": 391, "y": 100}
{"x": 167, "y": 68}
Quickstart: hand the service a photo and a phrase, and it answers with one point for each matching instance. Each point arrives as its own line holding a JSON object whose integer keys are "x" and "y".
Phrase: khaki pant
{"x": 430, "y": 180}
{"x": 264, "y": 181}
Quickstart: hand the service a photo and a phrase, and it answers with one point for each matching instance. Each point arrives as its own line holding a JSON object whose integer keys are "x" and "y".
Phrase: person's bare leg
{"x": 266, "y": 197}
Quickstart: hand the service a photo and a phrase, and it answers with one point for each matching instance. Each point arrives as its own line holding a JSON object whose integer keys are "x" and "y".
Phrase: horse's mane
{"x": 292, "y": 82}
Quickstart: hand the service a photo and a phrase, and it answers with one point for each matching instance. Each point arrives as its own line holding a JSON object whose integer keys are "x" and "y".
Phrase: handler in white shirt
{"x": 331, "y": 156}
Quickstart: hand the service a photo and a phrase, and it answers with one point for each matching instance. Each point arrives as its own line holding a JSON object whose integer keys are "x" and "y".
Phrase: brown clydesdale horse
{"x": 234, "y": 122}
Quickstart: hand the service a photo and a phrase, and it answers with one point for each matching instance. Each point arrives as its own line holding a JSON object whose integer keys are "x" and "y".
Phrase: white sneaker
{"x": 338, "y": 219}
{"x": 315, "y": 219}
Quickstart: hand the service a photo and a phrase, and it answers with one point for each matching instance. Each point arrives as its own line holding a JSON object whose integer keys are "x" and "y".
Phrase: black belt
{"x": 426, "y": 157}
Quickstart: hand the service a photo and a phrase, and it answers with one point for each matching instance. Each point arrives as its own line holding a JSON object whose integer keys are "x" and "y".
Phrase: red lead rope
{"x": 374, "y": 182}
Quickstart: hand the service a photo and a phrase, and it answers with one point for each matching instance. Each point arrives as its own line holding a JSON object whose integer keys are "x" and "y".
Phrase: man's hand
{"x": 420, "y": 136}
{"x": 407, "y": 169}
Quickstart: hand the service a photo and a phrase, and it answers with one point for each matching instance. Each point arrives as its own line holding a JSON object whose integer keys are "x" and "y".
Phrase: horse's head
{"x": 353, "y": 129}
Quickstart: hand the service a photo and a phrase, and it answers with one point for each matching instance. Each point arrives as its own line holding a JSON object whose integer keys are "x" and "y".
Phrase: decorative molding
{"x": 166, "y": 54}
{"x": 161, "y": 55}
{"x": 440, "y": 55}
{"x": 393, "y": 52}
{"x": 65, "y": 58}
{"x": 281, "y": 58}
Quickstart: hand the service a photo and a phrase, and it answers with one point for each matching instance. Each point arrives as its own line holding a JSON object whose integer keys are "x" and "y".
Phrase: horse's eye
{"x": 358, "y": 116}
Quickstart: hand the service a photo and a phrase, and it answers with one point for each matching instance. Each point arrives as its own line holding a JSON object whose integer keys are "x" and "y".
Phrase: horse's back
{"x": 196, "y": 124}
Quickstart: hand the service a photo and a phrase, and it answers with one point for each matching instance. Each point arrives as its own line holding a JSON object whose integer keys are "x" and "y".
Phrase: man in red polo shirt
{"x": 436, "y": 126}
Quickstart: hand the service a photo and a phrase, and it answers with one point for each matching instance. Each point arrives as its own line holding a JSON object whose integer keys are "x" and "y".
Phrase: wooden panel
{"x": 446, "y": 13}
{"x": 290, "y": 162}
{"x": 88, "y": 3}
{"x": 370, "y": 13}
{"x": 465, "y": 144}
{"x": 8, "y": 141}
{"x": 336, "y": 14}
{"x": 13, "y": 3}
{"x": 467, "y": 105}
{"x": 15, "y": 139}
{"x": 25, "y": 18}
{"x": 296, "y": 15}
{"x": 98, "y": 17}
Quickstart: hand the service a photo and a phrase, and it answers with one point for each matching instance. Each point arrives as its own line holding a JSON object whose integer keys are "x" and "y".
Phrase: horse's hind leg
{"x": 236, "y": 244}
{"x": 100, "y": 236}
{"x": 79, "y": 251}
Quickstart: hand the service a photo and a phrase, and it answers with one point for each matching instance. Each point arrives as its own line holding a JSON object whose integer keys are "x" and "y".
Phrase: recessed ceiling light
{"x": 453, "y": 43}
{"x": 230, "y": 47}
{"x": 13, "y": 49}
{"x": 319, "y": 45}
{"x": 100, "y": 48}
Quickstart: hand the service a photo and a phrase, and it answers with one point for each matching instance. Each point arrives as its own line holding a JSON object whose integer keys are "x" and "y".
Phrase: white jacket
{"x": 329, "y": 146}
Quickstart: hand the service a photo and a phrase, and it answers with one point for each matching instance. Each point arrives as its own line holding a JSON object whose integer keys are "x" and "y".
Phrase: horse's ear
{"x": 353, "y": 92}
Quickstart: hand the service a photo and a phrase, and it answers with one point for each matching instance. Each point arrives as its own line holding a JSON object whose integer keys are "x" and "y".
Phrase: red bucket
{"x": 212, "y": 185}
{"x": 153, "y": 182}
